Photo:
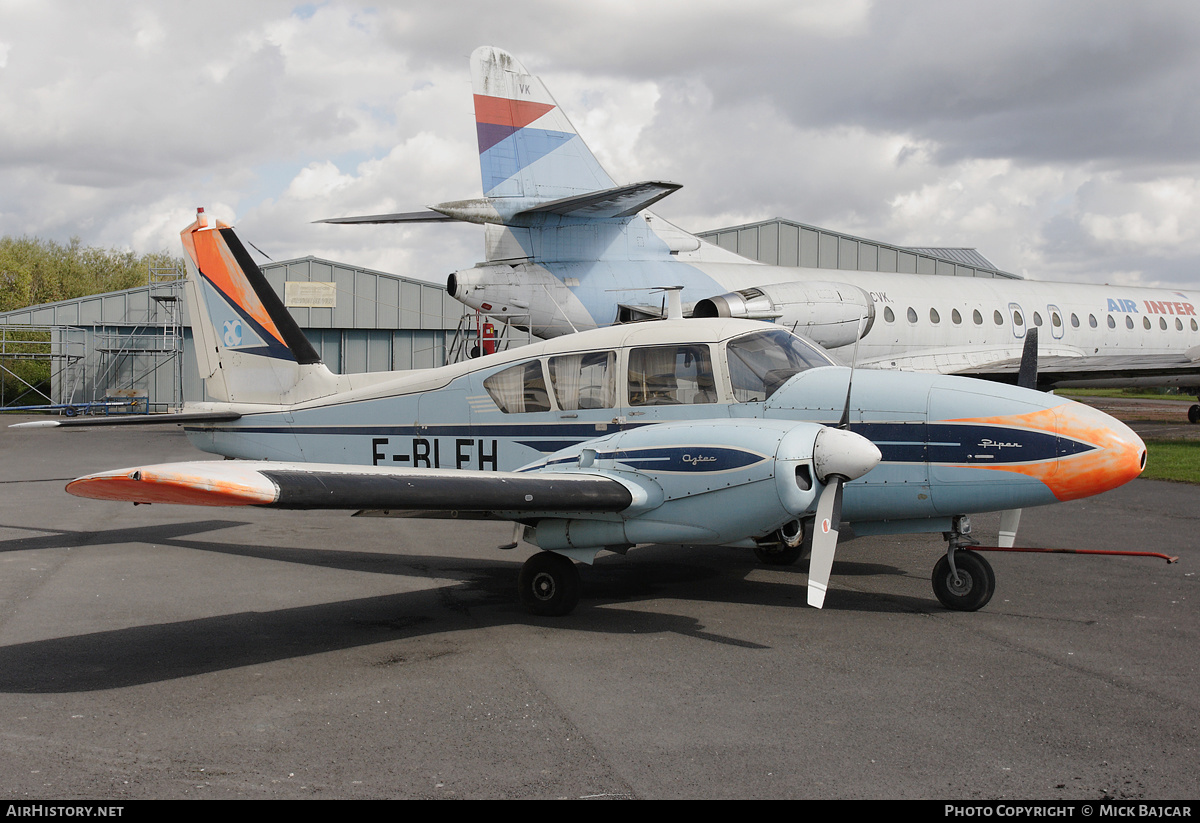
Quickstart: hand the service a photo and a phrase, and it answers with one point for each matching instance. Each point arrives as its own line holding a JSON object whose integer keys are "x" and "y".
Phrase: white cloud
{"x": 1057, "y": 139}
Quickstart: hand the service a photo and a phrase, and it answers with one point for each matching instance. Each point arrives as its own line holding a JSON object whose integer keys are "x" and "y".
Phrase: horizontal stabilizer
{"x": 426, "y": 216}
{"x": 130, "y": 420}
{"x": 317, "y": 486}
{"x": 622, "y": 201}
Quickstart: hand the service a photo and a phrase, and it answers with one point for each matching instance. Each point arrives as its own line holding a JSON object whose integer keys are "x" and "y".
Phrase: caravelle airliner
{"x": 567, "y": 249}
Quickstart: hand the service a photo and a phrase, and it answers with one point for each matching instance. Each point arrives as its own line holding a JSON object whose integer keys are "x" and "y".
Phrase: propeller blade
{"x": 824, "y": 543}
{"x": 839, "y": 455}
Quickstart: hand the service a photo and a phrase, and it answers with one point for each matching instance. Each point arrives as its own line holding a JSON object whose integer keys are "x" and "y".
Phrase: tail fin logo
{"x": 232, "y": 333}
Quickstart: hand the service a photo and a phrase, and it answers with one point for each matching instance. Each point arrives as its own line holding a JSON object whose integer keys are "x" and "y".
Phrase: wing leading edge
{"x": 317, "y": 486}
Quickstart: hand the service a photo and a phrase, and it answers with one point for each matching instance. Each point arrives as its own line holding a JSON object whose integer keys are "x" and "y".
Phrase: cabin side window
{"x": 519, "y": 389}
{"x": 584, "y": 381}
{"x": 671, "y": 375}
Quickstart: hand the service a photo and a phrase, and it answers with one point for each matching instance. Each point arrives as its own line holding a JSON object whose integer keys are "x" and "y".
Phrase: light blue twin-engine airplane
{"x": 716, "y": 431}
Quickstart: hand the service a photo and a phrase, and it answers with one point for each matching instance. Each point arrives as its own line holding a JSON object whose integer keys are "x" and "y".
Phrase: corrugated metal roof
{"x": 968, "y": 257}
{"x": 367, "y": 299}
{"x": 789, "y": 243}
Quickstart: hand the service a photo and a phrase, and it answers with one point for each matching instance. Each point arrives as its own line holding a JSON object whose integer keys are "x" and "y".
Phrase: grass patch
{"x": 1131, "y": 394}
{"x": 1177, "y": 460}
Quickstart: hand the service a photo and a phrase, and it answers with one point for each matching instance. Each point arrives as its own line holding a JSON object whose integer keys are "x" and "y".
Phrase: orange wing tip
{"x": 193, "y": 486}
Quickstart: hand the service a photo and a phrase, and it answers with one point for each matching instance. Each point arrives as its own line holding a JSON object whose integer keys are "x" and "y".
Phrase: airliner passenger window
{"x": 1146, "y": 322}
{"x": 1037, "y": 319}
{"x": 1193, "y": 324}
{"x": 1075, "y": 320}
{"x": 1162, "y": 323}
{"x": 955, "y": 317}
{"x": 888, "y": 314}
{"x": 761, "y": 362}
{"x": 1092, "y": 321}
{"x": 1128, "y": 322}
{"x": 998, "y": 318}
{"x": 1056, "y": 321}
{"x": 1017, "y": 319}
{"x": 585, "y": 381}
{"x": 977, "y": 317}
{"x": 1112, "y": 323}
{"x": 671, "y": 375}
{"x": 1178, "y": 324}
{"x": 912, "y": 315}
{"x": 519, "y": 389}
{"x": 934, "y": 317}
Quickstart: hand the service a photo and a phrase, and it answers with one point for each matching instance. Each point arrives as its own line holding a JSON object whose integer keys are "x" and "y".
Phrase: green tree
{"x": 35, "y": 271}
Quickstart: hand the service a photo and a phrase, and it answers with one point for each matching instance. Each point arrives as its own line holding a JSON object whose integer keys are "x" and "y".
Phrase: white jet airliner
{"x": 567, "y": 249}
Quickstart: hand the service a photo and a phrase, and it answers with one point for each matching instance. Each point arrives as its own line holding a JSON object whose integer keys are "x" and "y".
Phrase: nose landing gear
{"x": 962, "y": 580}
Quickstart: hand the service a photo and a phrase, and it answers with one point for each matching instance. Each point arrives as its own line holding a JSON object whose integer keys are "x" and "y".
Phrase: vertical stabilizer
{"x": 248, "y": 347}
{"x": 527, "y": 146}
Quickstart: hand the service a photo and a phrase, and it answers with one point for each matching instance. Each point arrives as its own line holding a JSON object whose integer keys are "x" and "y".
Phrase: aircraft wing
{"x": 1057, "y": 364}
{"x": 130, "y": 420}
{"x": 1054, "y": 370}
{"x": 332, "y": 486}
{"x": 398, "y": 217}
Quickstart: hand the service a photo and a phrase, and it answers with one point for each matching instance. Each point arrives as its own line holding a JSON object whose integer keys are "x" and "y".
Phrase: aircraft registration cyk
{"x": 716, "y": 431}
{"x": 568, "y": 249}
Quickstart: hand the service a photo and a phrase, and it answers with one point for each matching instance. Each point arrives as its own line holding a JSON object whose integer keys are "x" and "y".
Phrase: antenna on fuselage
{"x": 844, "y": 423}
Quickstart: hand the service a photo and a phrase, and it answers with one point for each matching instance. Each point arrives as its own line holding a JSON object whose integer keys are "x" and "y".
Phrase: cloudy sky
{"x": 1061, "y": 139}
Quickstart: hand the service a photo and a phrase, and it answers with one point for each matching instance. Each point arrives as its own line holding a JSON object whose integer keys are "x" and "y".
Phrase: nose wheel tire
{"x": 971, "y": 590}
{"x": 549, "y": 584}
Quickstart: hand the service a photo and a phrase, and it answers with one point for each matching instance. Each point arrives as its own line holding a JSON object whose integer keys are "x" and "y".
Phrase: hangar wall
{"x": 139, "y": 339}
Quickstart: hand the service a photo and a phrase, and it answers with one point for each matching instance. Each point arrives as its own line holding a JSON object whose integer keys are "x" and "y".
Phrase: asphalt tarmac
{"x": 175, "y": 652}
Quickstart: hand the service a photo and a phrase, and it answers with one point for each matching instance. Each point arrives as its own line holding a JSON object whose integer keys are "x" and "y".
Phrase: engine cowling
{"x": 832, "y": 314}
{"x": 705, "y": 482}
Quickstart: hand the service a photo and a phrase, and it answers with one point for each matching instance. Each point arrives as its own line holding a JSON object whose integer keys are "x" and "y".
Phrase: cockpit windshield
{"x": 761, "y": 362}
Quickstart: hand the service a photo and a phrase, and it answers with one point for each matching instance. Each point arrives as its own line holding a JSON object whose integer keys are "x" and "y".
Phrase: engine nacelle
{"x": 832, "y": 314}
{"x": 703, "y": 482}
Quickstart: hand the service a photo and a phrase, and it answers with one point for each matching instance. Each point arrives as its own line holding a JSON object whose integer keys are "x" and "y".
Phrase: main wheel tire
{"x": 549, "y": 584}
{"x": 975, "y": 585}
{"x": 1194, "y": 414}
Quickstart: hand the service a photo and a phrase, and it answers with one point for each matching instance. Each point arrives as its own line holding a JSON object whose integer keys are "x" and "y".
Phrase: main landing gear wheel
{"x": 549, "y": 584}
{"x": 974, "y": 586}
{"x": 1194, "y": 414}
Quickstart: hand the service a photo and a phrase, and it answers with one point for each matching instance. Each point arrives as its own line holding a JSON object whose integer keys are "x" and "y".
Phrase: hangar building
{"x": 138, "y": 342}
{"x": 780, "y": 242}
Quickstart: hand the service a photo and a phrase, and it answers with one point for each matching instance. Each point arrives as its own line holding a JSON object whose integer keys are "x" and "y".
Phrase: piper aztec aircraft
{"x": 567, "y": 249}
{"x": 715, "y": 431}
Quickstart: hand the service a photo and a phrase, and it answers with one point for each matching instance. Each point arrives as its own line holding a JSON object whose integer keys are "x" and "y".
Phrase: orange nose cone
{"x": 1118, "y": 456}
